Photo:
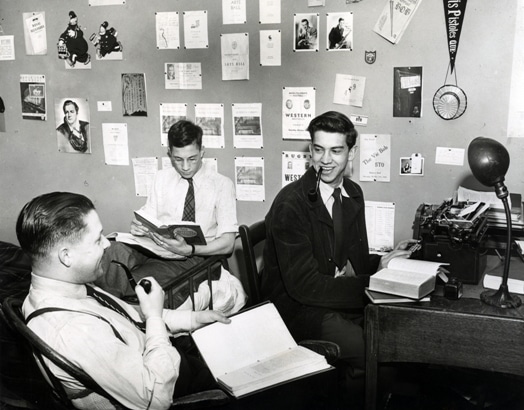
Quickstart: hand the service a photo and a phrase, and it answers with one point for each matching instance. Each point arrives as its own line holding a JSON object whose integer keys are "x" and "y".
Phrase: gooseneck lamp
{"x": 489, "y": 161}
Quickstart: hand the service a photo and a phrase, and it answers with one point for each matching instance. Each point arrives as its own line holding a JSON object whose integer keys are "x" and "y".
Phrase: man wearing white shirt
{"x": 125, "y": 349}
{"x": 214, "y": 205}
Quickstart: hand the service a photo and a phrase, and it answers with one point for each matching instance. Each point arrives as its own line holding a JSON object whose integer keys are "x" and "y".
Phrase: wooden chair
{"x": 11, "y": 308}
{"x": 250, "y": 237}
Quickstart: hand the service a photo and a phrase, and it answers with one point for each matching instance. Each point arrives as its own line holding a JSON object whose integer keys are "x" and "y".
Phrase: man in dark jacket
{"x": 319, "y": 295}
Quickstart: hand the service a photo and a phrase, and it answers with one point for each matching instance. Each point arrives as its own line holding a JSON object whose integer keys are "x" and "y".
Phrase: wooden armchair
{"x": 250, "y": 237}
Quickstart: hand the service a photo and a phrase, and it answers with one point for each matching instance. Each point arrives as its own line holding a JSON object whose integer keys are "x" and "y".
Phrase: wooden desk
{"x": 464, "y": 333}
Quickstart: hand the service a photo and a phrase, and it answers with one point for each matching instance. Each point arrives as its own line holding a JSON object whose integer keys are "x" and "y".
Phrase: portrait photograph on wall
{"x": 306, "y": 26}
{"x": 72, "y": 125}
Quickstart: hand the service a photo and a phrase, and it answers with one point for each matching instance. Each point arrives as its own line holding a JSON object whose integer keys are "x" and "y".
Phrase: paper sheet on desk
{"x": 469, "y": 195}
{"x": 144, "y": 242}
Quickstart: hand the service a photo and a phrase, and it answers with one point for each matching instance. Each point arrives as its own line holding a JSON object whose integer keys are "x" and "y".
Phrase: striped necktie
{"x": 189, "y": 204}
{"x": 109, "y": 303}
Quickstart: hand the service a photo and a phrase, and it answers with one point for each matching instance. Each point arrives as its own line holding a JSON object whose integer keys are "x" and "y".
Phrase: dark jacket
{"x": 298, "y": 274}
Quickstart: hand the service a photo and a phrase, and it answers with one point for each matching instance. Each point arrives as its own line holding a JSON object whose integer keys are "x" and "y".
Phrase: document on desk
{"x": 254, "y": 351}
{"x": 411, "y": 278}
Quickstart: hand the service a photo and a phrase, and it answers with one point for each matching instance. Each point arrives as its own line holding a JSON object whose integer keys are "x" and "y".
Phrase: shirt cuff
{"x": 178, "y": 320}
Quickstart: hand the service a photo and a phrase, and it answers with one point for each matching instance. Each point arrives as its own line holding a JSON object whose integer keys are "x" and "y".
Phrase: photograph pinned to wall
{"x": 134, "y": 98}
{"x": 294, "y": 165}
{"x": 35, "y": 33}
{"x": 183, "y": 76}
{"x": 33, "y": 97}
{"x": 106, "y": 43}
{"x": 72, "y": 46}
{"x": 249, "y": 178}
{"x": 349, "y": 90}
{"x": 269, "y": 11}
{"x": 298, "y": 109}
{"x": 306, "y": 26}
{"x": 413, "y": 165}
{"x": 234, "y": 12}
{"x": 407, "y": 92}
{"x": 195, "y": 29}
{"x": 210, "y": 117}
{"x": 235, "y": 56}
{"x": 270, "y": 48}
{"x": 116, "y": 150}
{"x": 170, "y": 113}
{"x": 72, "y": 119}
{"x": 144, "y": 171}
{"x": 167, "y": 25}
{"x": 247, "y": 125}
{"x": 339, "y": 34}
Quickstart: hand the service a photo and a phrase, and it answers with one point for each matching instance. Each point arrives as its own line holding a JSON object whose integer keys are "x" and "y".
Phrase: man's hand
{"x": 400, "y": 251}
{"x": 176, "y": 245}
{"x": 203, "y": 317}
{"x": 138, "y": 229}
{"x": 152, "y": 303}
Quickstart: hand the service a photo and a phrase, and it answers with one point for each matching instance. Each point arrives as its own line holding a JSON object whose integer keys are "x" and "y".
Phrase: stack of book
{"x": 405, "y": 280}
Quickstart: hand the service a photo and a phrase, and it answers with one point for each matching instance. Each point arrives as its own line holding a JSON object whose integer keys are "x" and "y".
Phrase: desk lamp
{"x": 489, "y": 162}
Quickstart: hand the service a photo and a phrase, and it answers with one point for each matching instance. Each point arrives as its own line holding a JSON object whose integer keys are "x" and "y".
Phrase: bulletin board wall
{"x": 31, "y": 164}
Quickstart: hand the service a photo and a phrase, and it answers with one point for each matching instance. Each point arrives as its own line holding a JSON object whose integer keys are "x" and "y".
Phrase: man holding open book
{"x": 189, "y": 191}
{"x": 316, "y": 255}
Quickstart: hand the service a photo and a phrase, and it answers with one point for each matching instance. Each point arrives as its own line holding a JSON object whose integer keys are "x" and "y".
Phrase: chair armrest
{"x": 330, "y": 350}
{"x": 207, "y": 398}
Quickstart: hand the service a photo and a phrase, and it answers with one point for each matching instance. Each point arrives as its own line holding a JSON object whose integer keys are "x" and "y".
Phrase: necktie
{"x": 339, "y": 256}
{"x": 189, "y": 204}
{"x": 109, "y": 303}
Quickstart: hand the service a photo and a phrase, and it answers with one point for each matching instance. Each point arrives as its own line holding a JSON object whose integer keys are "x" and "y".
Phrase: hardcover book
{"x": 378, "y": 298}
{"x": 255, "y": 351}
{"x": 190, "y": 231}
{"x": 411, "y": 278}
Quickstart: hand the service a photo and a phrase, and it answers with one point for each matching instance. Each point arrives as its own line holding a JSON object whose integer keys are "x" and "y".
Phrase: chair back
{"x": 12, "y": 308}
{"x": 250, "y": 236}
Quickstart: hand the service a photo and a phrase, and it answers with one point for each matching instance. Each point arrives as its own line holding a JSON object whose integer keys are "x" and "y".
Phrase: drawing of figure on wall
{"x": 72, "y": 46}
{"x": 306, "y": 34}
{"x": 72, "y": 133}
{"x": 106, "y": 42}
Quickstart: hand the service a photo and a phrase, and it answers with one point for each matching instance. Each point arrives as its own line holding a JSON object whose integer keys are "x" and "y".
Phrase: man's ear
{"x": 311, "y": 148}
{"x": 352, "y": 153}
{"x": 64, "y": 256}
{"x": 202, "y": 151}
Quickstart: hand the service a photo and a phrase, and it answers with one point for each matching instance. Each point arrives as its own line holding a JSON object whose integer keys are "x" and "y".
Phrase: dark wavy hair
{"x": 334, "y": 121}
{"x": 183, "y": 133}
{"x": 50, "y": 219}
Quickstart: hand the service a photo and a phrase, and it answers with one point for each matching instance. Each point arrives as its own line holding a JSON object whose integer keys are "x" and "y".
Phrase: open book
{"x": 254, "y": 351}
{"x": 411, "y": 278}
{"x": 145, "y": 243}
{"x": 190, "y": 231}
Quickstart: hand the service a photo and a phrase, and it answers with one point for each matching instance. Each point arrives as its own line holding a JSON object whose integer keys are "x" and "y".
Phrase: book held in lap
{"x": 255, "y": 351}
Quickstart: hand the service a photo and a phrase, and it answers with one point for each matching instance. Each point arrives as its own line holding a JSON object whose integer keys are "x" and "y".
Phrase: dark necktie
{"x": 189, "y": 204}
{"x": 339, "y": 257}
{"x": 109, "y": 303}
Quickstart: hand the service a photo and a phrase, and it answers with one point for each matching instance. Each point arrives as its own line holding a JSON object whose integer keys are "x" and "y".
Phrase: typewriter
{"x": 454, "y": 234}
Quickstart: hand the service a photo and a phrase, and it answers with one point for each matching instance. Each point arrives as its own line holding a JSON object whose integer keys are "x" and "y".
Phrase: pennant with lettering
{"x": 454, "y": 11}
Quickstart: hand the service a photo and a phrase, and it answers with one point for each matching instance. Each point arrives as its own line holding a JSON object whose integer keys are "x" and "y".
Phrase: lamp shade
{"x": 488, "y": 160}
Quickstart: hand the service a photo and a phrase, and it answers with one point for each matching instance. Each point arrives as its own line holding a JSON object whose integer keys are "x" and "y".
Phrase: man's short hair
{"x": 70, "y": 102}
{"x": 183, "y": 133}
{"x": 50, "y": 219}
{"x": 334, "y": 121}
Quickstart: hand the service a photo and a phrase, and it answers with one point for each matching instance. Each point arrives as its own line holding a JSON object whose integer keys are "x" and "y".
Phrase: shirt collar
{"x": 326, "y": 191}
{"x": 58, "y": 287}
